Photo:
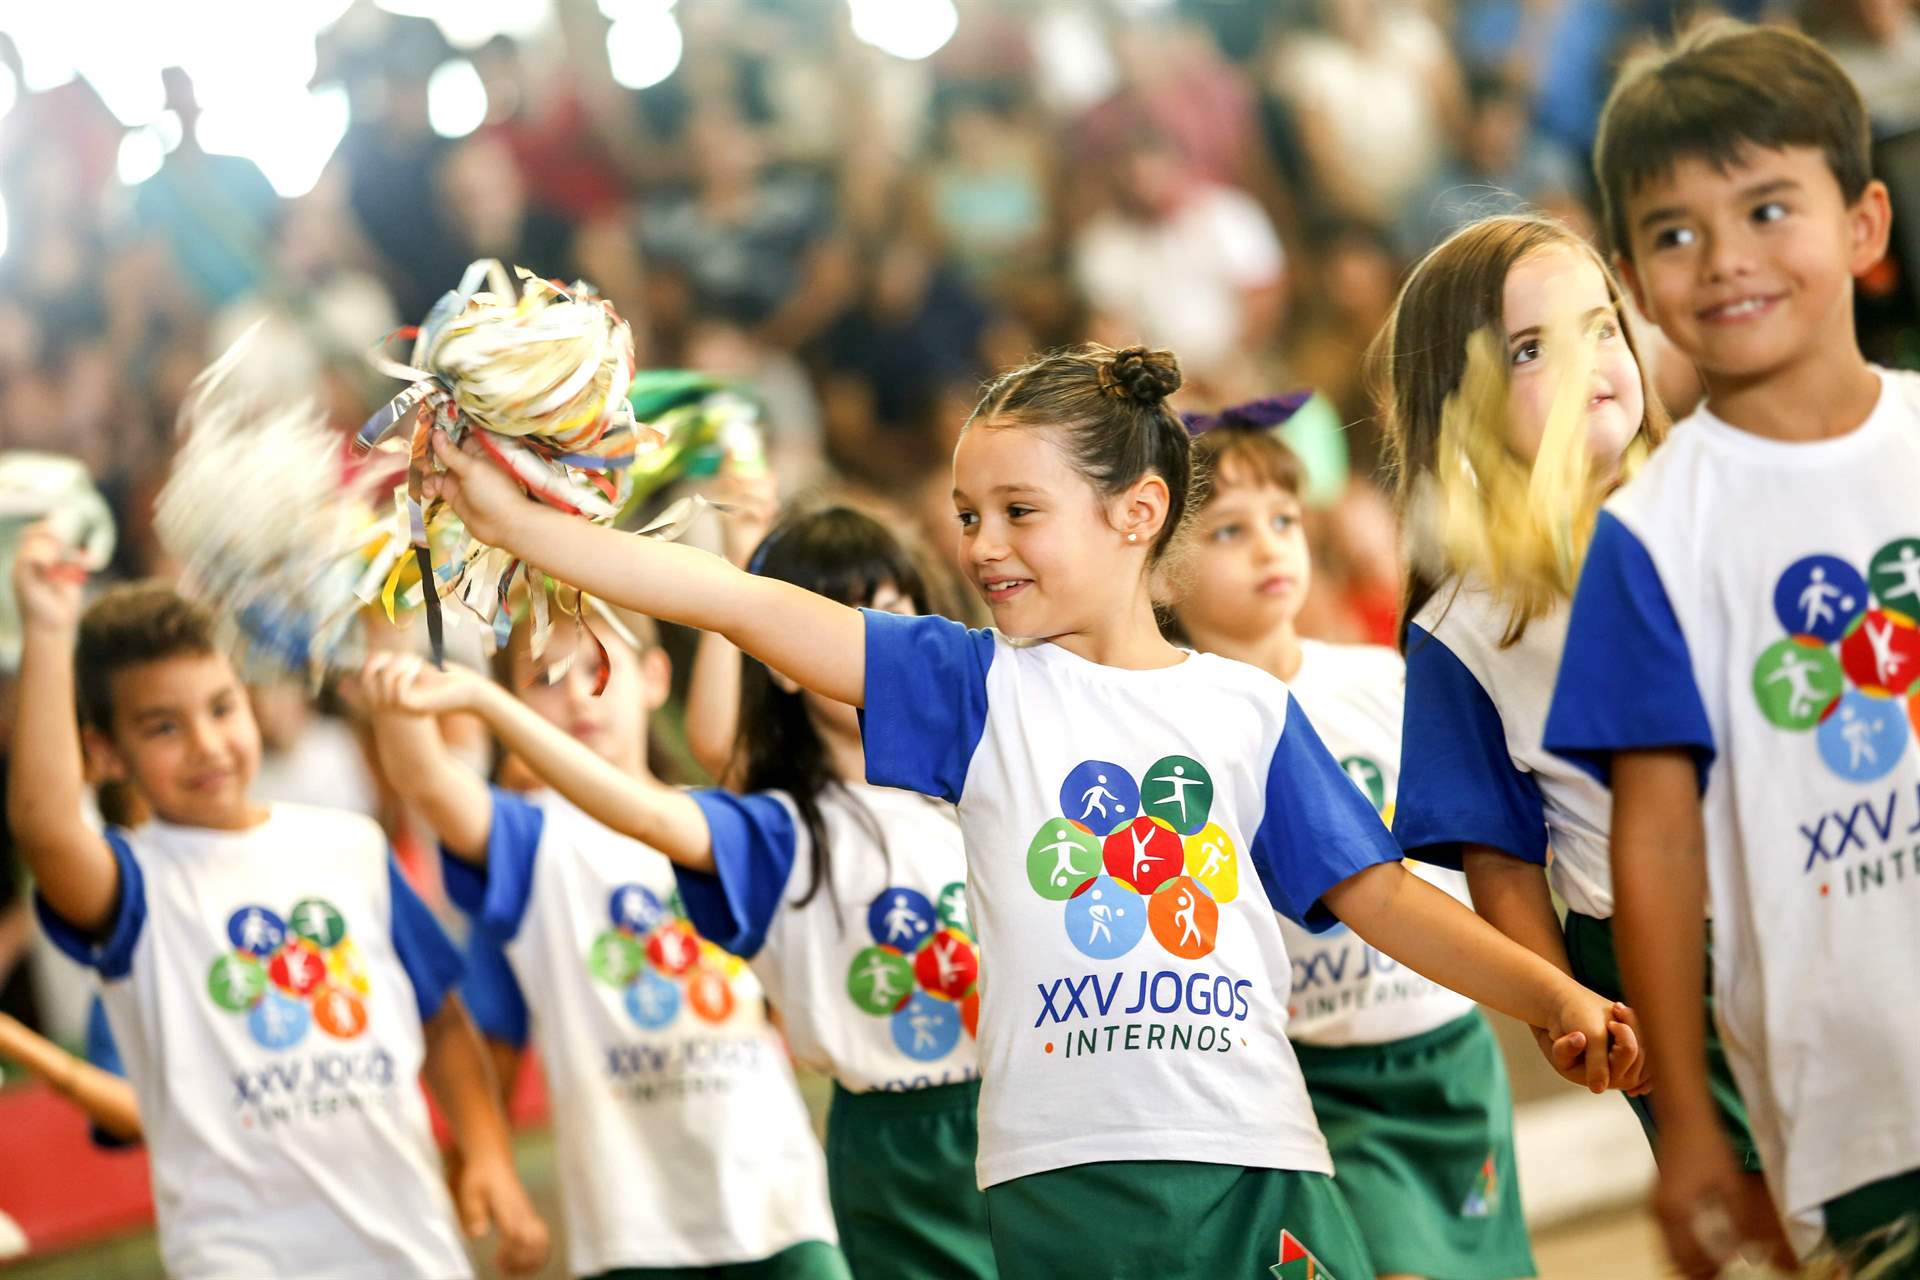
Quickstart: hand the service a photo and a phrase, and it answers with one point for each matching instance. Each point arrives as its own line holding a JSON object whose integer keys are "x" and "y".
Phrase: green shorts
{"x": 1596, "y": 964}
{"x": 900, "y": 1170}
{"x": 1422, "y": 1136}
{"x": 808, "y": 1260}
{"x": 1171, "y": 1220}
{"x": 1879, "y": 1223}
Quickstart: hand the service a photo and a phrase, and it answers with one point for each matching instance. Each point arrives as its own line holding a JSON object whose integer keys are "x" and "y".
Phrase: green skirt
{"x": 1421, "y": 1131}
{"x": 1173, "y": 1220}
{"x": 1597, "y": 965}
{"x": 900, "y": 1172}
{"x": 1879, "y": 1223}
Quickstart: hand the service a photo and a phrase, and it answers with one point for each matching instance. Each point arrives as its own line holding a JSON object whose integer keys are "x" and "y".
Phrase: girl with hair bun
{"x": 1134, "y": 815}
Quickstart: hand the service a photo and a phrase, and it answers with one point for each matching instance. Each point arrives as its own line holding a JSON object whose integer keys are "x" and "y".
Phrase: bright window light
{"x": 141, "y": 154}
{"x": 910, "y": 29}
{"x": 456, "y": 99}
{"x": 644, "y": 48}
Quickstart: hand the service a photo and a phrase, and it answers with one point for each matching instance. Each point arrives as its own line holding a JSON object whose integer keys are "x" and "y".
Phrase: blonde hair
{"x": 1467, "y": 502}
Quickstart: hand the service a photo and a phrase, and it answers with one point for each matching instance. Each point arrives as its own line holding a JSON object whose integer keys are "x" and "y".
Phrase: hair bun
{"x": 1145, "y": 374}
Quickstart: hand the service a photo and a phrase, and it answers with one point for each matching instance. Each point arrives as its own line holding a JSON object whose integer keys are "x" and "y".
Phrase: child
{"x": 1484, "y": 625}
{"x": 1405, "y": 1076}
{"x": 849, "y": 900}
{"x": 273, "y": 985}
{"x": 93, "y": 1083}
{"x": 683, "y": 1141}
{"x": 1139, "y": 1116}
{"x": 1742, "y": 641}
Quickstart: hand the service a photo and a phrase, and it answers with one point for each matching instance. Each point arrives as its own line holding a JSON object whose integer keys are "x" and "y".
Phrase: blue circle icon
{"x": 278, "y": 1022}
{"x": 652, "y": 1000}
{"x": 902, "y": 919}
{"x": 1819, "y": 596}
{"x": 1864, "y": 737}
{"x": 634, "y": 908}
{"x": 1105, "y": 919}
{"x": 926, "y": 1028}
{"x": 256, "y": 931}
{"x": 1100, "y": 796}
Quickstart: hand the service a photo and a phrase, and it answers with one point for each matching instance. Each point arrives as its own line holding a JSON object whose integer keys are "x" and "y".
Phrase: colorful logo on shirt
{"x": 1128, "y": 859}
{"x": 1297, "y": 1261}
{"x": 288, "y": 975}
{"x": 1846, "y": 669}
{"x": 1485, "y": 1196}
{"x": 658, "y": 964}
{"x": 921, "y": 971}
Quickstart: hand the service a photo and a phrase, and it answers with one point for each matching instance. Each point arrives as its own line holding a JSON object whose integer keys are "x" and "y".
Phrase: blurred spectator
{"x": 1499, "y": 167}
{"x": 1174, "y": 82}
{"x": 751, "y": 246}
{"x": 306, "y": 756}
{"x": 1345, "y": 296}
{"x": 988, "y": 187}
{"x": 1179, "y": 262}
{"x": 216, "y": 213}
{"x": 1878, "y": 42}
{"x": 1372, "y": 96}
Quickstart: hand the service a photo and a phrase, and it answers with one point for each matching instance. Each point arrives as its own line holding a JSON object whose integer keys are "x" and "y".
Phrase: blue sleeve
{"x": 1458, "y": 782}
{"x": 492, "y": 993}
{"x": 497, "y": 894}
{"x": 429, "y": 958}
{"x": 754, "y": 847}
{"x": 111, "y": 955}
{"x": 926, "y": 702}
{"x": 104, "y": 1053}
{"x": 1626, "y": 678}
{"x": 1318, "y": 828}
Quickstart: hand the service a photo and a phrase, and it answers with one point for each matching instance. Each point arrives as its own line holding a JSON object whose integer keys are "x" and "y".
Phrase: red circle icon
{"x": 1146, "y": 853}
{"x": 947, "y": 965}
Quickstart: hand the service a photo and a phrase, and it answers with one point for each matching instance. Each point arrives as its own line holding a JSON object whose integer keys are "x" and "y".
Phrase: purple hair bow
{"x": 1254, "y": 415}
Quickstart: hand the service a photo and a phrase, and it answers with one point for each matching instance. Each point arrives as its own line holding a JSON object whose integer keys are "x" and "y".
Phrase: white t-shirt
{"x": 1472, "y": 768}
{"x": 1180, "y": 281}
{"x": 1755, "y": 602}
{"x": 682, "y": 1138}
{"x": 266, "y": 989}
{"x": 1129, "y": 836}
{"x": 874, "y": 974}
{"x": 1346, "y": 992}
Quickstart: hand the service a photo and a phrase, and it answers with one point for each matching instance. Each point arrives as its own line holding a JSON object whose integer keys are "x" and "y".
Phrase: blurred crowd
{"x": 863, "y": 237}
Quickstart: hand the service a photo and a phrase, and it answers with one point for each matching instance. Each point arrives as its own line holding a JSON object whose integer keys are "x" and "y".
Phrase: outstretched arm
{"x": 106, "y": 1098}
{"x": 747, "y": 502}
{"x": 815, "y": 641}
{"x": 46, "y": 782}
{"x": 404, "y": 688}
{"x": 1435, "y": 936}
{"x": 452, "y": 798}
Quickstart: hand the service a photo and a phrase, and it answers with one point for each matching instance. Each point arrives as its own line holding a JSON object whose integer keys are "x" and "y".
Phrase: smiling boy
{"x": 1742, "y": 645}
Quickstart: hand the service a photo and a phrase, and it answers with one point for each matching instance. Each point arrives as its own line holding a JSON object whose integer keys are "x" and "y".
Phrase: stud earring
{"x": 1133, "y": 537}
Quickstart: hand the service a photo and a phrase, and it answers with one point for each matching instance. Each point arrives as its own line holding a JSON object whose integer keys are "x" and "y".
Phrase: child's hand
{"x": 1627, "y": 1066}
{"x": 490, "y": 1195}
{"x": 488, "y": 500}
{"x": 748, "y": 501}
{"x": 1710, "y": 1211}
{"x": 402, "y": 682}
{"x": 1609, "y": 1052}
{"x": 48, "y": 581}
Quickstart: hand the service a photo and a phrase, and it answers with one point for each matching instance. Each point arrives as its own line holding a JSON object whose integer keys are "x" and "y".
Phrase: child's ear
{"x": 656, "y": 677}
{"x": 1869, "y": 227}
{"x": 1142, "y": 510}
{"x": 103, "y": 761}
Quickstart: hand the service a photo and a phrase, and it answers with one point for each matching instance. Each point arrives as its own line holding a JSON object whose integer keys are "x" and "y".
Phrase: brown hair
{"x": 1243, "y": 455}
{"x": 1111, "y": 409}
{"x": 1720, "y": 89}
{"x": 129, "y": 625}
{"x": 1420, "y": 357}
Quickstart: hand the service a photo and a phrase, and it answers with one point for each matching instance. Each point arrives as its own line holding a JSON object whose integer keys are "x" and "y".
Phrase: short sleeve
{"x": 1626, "y": 677}
{"x": 1318, "y": 828}
{"x": 496, "y": 895}
{"x": 492, "y": 993}
{"x": 111, "y": 955}
{"x": 104, "y": 1052}
{"x": 755, "y": 843}
{"x": 431, "y": 963}
{"x": 1458, "y": 782}
{"x": 926, "y": 702}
